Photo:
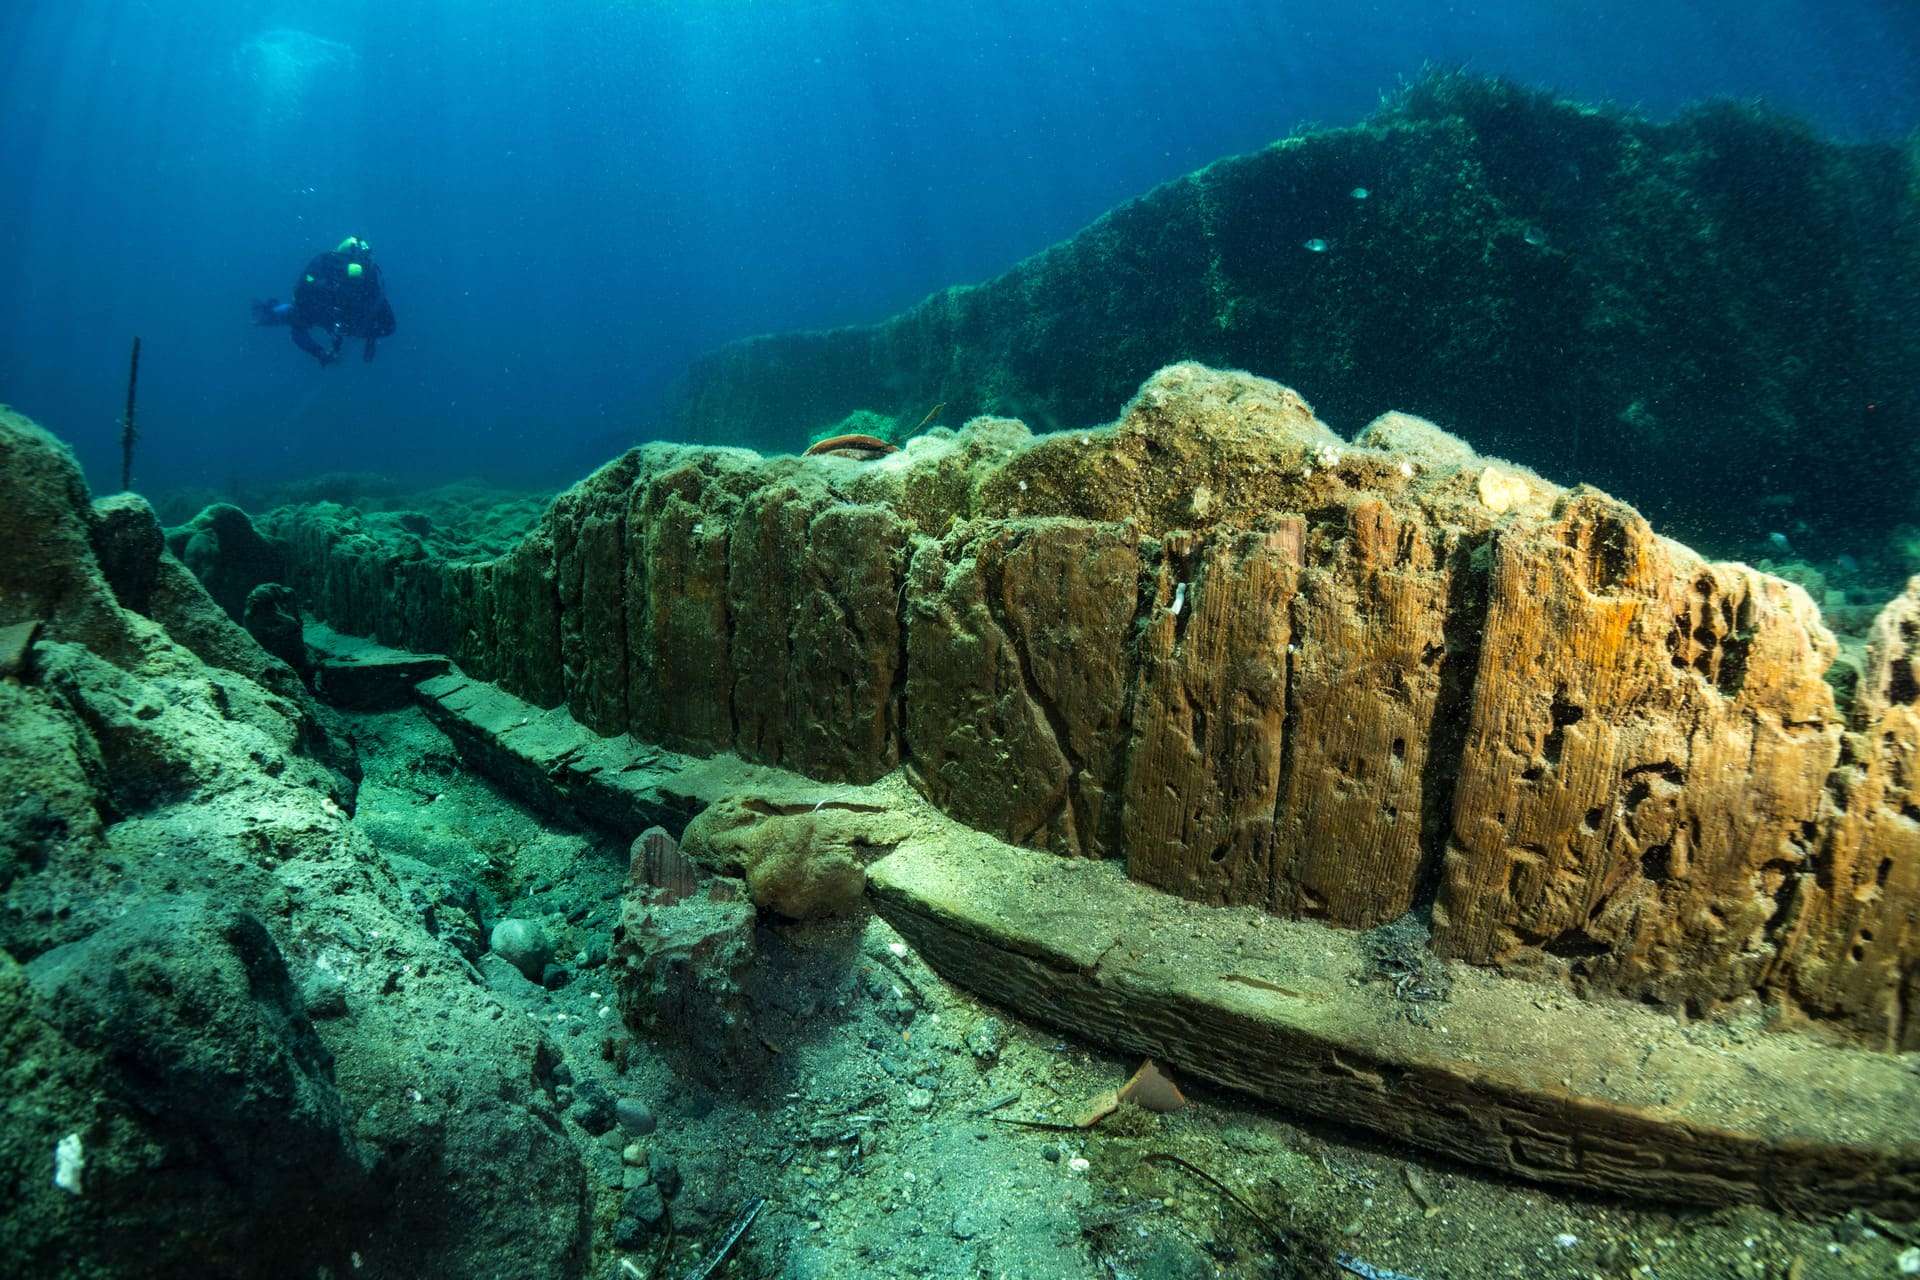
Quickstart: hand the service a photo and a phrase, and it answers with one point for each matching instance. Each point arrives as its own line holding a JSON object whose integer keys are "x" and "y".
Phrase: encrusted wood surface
{"x": 1644, "y": 767}
{"x": 1204, "y": 769}
{"x": 1853, "y": 926}
{"x": 1606, "y": 1097}
{"x": 1369, "y": 710}
{"x": 1261, "y": 665}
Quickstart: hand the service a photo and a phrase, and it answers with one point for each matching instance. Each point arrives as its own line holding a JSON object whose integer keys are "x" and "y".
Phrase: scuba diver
{"x": 339, "y": 294}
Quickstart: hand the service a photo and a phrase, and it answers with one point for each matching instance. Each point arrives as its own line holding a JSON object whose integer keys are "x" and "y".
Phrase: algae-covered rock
{"x": 1689, "y": 314}
{"x": 218, "y": 1133}
{"x": 228, "y": 555}
{"x": 684, "y": 975}
{"x": 153, "y": 1046}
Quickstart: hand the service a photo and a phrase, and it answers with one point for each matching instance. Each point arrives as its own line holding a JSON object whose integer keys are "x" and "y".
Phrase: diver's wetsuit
{"x": 342, "y": 305}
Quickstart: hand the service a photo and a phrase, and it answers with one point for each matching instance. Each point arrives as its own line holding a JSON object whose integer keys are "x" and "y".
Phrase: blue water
{"x": 570, "y": 198}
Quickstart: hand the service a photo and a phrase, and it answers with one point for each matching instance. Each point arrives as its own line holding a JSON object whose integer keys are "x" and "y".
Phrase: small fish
{"x": 1778, "y": 541}
{"x": 1315, "y": 245}
{"x": 1367, "y": 1271}
{"x": 1360, "y": 193}
{"x": 1534, "y": 236}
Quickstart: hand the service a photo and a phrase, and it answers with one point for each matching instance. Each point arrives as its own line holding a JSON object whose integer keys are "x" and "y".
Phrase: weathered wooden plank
{"x": 1204, "y": 766}
{"x": 1605, "y": 1096}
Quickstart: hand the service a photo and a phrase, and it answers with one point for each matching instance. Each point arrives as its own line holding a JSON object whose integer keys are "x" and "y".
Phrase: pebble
{"x": 634, "y": 1153}
{"x": 1079, "y": 1164}
{"x": 1050, "y": 1153}
{"x": 640, "y": 1212}
{"x": 524, "y": 945}
{"x": 919, "y": 1099}
{"x": 1909, "y": 1262}
{"x": 634, "y": 1117}
{"x": 666, "y": 1173}
{"x": 987, "y": 1039}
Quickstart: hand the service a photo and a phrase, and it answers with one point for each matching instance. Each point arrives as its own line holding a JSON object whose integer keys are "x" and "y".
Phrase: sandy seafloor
{"x": 870, "y": 1145}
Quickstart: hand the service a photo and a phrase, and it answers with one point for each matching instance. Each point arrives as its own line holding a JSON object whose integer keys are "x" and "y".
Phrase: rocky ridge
{"x": 1712, "y": 316}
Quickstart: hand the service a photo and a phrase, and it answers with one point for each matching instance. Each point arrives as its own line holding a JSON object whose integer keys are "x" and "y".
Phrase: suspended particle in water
{"x": 1534, "y": 236}
{"x": 1360, "y": 193}
{"x": 1315, "y": 245}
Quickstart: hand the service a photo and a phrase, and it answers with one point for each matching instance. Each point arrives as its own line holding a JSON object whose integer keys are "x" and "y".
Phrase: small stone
{"x": 640, "y": 1213}
{"x": 1050, "y": 1153}
{"x": 965, "y": 1224}
{"x": 919, "y": 1099}
{"x": 987, "y": 1039}
{"x": 634, "y": 1153}
{"x": 555, "y": 976}
{"x": 524, "y": 945}
{"x": 324, "y": 994}
{"x": 666, "y": 1173}
{"x": 1079, "y": 1164}
{"x": 1909, "y": 1261}
{"x": 634, "y": 1117}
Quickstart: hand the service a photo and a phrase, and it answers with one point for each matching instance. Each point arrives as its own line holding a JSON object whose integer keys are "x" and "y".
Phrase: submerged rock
{"x": 524, "y": 945}
{"x": 173, "y": 843}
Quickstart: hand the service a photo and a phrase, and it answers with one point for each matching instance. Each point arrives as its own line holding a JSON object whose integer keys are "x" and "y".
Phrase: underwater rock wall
{"x": 1262, "y": 665}
{"x": 1695, "y": 315}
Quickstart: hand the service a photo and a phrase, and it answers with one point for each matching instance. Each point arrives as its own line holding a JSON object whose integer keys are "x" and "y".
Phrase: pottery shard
{"x": 1018, "y": 669}
{"x": 1204, "y": 768}
{"x": 1853, "y": 920}
{"x": 1648, "y": 742}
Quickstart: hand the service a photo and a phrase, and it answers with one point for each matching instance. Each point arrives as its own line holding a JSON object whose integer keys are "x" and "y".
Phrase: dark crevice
{"x": 1656, "y": 862}
{"x": 726, "y": 629}
{"x": 1464, "y": 624}
{"x": 621, "y": 723}
{"x": 1289, "y": 725}
{"x": 1576, "y": 945}
{"x": 1902, "y": 688}
{"x": 1562, "y": 715}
